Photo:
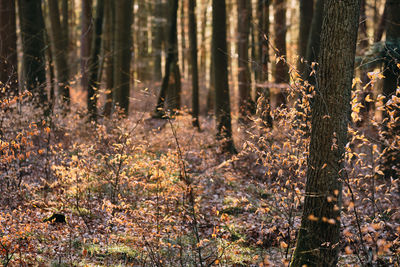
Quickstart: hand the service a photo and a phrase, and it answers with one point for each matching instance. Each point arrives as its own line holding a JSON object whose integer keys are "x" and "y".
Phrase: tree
{"x": 220, "y": 73}
{"x": 318, "y": 237}
{"x": 313, "y": 43}
{"x": 262, "y": 91}
{"x": 194, "y": 64}
{"x": 86, "y": 39}
{"x": 306, "y": 16}
{"x": 122, "y": 53}
{"x": 171, "y": 86}
{"x": 60, "y": 51}
{"x": 94, "y": 61}
{"x": 109, "y": 22}
{"x": 245, "y": 102}
{"x": 281, "y": 69}
{"x": 159, "y": 36}
{"x": 8, "y": 48}
{"x": 33, "y": 47}
{"x": 390, "y": 84}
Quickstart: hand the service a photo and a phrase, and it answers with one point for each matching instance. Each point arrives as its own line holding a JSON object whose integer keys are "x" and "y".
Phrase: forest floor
{"x": 150, "y": 192}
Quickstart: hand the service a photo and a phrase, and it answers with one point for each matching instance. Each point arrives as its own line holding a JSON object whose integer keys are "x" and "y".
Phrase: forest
{"x": 200, "y": 133}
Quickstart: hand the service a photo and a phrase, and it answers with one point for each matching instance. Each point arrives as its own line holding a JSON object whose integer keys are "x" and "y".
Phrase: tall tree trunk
{"x": 142, "y": 61}
{"x": 60, "y": 51}
{"x": 122, "y": 53}
{"x": 109, "y": 21}
{"x": 262, "y": 91}
{"x": 281, "y": 69}
{"x": 313, "y": 44}
{"x": 33, "y": 47}
{"x": 245, "y": 102}
{"x": 362, "y": 48}
{"x": 391, "y": 155}
{"x": 86, "y": 39}
{"x": 183, "y": 38}
{"x": 94, "y": 82}
{"x": 194, "y": 64}
{"x": 170, "y": 87}
{"x": 318, "y": 238}
{"x": 159, "y": 37}
{"x": 8, "y": 48}
{"x": 306, "y": 15}
{"x": 381, "y": 25}
{"x": 65, "y": 24}
{"x": 220, "y": 62}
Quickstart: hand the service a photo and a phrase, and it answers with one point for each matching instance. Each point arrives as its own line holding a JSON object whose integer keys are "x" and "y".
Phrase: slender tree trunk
{"x": 94, "y": 81}
{"x": 313, "y": 43}
{"x": 183, "y": 38}
{"x": 194, "y": 64}
{"x": 262, "y": 91}
{"x": 381, "y": 25}
{"x": 60, "y": 51}
{"x": 86, "y": 39}
{"x": 33, "y": 47}
{"x": 65, "y": 24}
{"x": 391, "y": 155}
{"x": 306, "y": 15}
{"x": 109, "y": 54}
{"x": 362, "y": 48}
{"x": 159, "y": 22}
{"x": 245, "y": 102}
{"x": 318, "y": 238}
{"x": 122, "y": 53}
{"x": 8, "y": 48}
{"x": 220, "y": 62}
{"x": 281, "y": 69}
{"x": 170, "y": 87}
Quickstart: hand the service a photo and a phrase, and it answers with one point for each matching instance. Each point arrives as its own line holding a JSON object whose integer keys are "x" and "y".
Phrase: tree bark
{"x": 122, "y": 53}
{"x": 194, "y": 63}
{"x": 263, "y": 92}
{"x": 170, "y": 87}
{"x": 318, "y": 238}
{"x": 60, "y": 51}
{"x": 391, "y": 155}
{"x": 109, "y": 21}
{"x": 313, "y": 44}
{"x": 220, "y": 61}
{"x": 281, "y": 69}
{"x": 86, "y": 39}
{"x": 94, "y": 82}
{"x": 245, "y": 102}
{"x": 159, "y": 22}
{"x": 8, "y": 49}
{"x": 33, "y": 47}
{"x": 306, "y": 16}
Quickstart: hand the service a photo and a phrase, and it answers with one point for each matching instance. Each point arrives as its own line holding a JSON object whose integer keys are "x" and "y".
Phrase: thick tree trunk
{"x": 65, "y": 24}
{"x": 33, "y": 47}
{"x": 281, "y": 69}
{"x": 94, "y": 82}
{"x": 220, "y": 62}
{"x": 318, "y": 238}
{"x": 122, "y": 53}
{"x": 60, "y": 51}
{"x": 306, "y": 16}
{"x": 86, "y": 39}
{"x": 194, "y": 64}
{"x": 8, "y": 48}
{"x": 391, "y": 155}
{"x": 245, "y": 102}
